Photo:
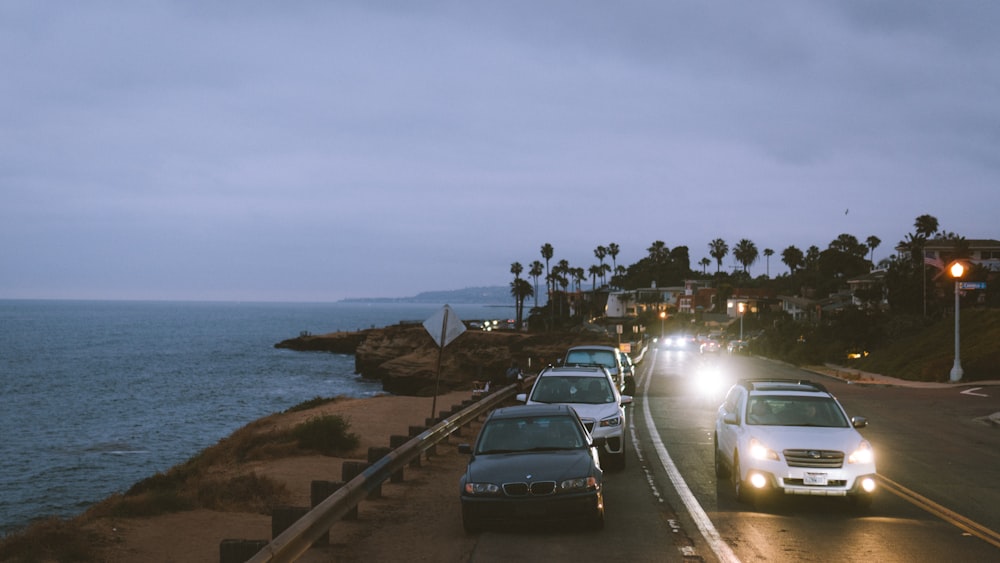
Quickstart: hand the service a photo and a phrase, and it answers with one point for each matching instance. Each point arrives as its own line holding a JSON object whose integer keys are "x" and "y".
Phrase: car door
{"x": 727, "y": 433}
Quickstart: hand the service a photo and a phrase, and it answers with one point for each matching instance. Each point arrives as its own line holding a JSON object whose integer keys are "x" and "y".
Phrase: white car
{"x": 596, "y": 399}
{"x": 792, "y": 437}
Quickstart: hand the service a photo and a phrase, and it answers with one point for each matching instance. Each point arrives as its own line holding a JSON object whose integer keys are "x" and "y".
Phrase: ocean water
{"x": 97, "y": 395}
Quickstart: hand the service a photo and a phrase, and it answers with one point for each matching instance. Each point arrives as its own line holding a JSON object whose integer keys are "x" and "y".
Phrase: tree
{"x": 718, "y": 249}
{"x": 925, "y": 225}
{"x": 600, "y": 252}
{"x": 793, "y": 258}
{"x": 535, "y": 270}
{"x": 658, "y": 251}
{"x": 745, "y": 253}
{"x": 594, "y": 271}
{"x": 768, "y": 253}
{"x": 613, "y": 251}
{"x": 520, "y": 289}
{"x": 547, "y": 252}
{"x": 516, "y": 268}
{"x": 872, "y": 242}
{"x": 704, "y": 262}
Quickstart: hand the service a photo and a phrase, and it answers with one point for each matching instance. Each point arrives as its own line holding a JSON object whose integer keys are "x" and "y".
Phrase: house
{"x": 939, "y": 252}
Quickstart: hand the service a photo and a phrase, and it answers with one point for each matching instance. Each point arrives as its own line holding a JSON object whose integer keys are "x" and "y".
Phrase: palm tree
{"x": 704, "y": 262}
{"x": 793, "y": 258}
{"x": 613, "y": 251}
{"x": 658, "y": 251}
{"x": 594, "y": 271}
{"x": 745, "y": 253}
{"x": 926, "y": 225}
{"x": 520, "y": 289}
{"x": 516, "y": 268}
{"x": 768, "y": 253}
{"x": 718, "y": 249}
{"x": 872, "y": 243}
{"x": 547, "y": 253}
{"x": 535, "y": 270}
{"x": 600, "y": 252}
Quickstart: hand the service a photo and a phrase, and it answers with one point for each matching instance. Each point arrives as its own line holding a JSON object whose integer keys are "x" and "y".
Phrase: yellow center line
{"x": 963, "y": 523}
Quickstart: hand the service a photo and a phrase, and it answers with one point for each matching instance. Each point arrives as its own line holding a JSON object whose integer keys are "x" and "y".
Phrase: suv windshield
{"x": 592, "y": 358}
{"x": 572, "y": 389}
{"x": 791, "y": 410}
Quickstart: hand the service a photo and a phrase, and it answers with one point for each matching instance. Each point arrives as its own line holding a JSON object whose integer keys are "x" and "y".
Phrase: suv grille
{"x": 525, "y": 489}
{"x": 826, "y": 459}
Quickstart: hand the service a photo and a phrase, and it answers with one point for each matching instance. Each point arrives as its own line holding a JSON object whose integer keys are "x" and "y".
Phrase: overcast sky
{"x": 314, "y": 151}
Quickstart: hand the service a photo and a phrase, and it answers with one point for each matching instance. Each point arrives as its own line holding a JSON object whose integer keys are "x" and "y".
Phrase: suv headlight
{"x": 482, "y": 489}
{"x": 759, "y": 451}
{"x": 863, "y": 454}
{"x": 611, "y": 421}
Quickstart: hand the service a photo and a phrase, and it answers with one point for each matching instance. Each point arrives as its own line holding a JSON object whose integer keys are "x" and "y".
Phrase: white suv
{"x": 607, "y": 356}
{"x": 792, "y": 436}
{"x": 595, "y": 398}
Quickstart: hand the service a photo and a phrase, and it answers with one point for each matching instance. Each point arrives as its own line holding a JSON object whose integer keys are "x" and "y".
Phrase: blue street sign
{"x": 971, "y": 285}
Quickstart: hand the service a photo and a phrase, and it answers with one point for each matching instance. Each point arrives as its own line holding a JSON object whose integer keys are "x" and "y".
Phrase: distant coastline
{"x": 496, "y": 296}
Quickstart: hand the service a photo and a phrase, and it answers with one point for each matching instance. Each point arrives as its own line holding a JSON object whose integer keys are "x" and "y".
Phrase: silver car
{"x": 594, "y": 396}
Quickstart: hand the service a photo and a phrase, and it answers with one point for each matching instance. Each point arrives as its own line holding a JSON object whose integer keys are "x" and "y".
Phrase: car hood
{"x": 553, "y": 465}
{"x": 807, "y": 438}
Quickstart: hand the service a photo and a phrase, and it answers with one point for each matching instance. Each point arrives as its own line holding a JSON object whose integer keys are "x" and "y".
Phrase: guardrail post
{"x": 414, "y": 432}
{"x": 396, "y": 441}
{"x": 239, "y": 551}
{"x": 351, "y": 469}
{"x": 318, "y": 492}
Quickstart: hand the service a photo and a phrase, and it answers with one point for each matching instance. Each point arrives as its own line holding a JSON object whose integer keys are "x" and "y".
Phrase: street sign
{"x": 444, "y": 326}
{"x": 971, "y": 285}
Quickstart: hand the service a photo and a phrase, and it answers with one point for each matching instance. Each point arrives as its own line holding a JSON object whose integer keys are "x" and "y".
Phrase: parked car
{"x": 534, "y": 463}
{"x": 606, "y": 356}
{"x": 792, "y": 437}
{"x": 594, "y": 396}
{"x": 628, "y": 366}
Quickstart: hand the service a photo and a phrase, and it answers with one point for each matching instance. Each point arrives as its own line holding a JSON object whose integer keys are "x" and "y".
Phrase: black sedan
{"x": 532, "y": 463}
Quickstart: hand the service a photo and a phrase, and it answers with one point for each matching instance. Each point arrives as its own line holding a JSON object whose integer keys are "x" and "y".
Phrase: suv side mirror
{"x": 859, "y": 421}
{"x": 730, "y": 418}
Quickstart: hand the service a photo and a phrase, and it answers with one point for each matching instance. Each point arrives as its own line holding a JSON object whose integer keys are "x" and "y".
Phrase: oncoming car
{"x": 594, "y": 397}
{"x": 532, "y": 463}
{"x": 793, "y": 437}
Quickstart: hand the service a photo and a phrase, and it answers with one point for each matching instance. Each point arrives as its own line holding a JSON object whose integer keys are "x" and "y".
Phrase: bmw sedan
{"x": 532, "y": 463}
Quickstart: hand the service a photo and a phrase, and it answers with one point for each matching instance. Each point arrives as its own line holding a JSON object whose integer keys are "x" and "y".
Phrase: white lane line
{"x": 972, "y": 391}
{"x": 701, "y": 519}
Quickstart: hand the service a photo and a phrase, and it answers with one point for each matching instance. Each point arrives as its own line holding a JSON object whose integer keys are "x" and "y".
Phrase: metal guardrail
{"x": 300, "y": 536}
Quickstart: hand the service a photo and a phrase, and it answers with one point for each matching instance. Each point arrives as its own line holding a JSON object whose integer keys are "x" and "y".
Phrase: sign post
{"x": 444, "y": 327}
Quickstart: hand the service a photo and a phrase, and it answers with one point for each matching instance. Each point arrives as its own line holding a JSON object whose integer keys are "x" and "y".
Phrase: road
{"x": 939, "y": 459}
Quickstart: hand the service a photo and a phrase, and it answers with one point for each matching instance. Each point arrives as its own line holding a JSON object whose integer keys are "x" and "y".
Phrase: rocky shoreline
{"x": 404, "y": 357}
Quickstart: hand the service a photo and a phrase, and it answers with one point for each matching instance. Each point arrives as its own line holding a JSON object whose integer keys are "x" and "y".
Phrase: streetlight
{"x": 741, "y": 307}
{"x": 957, "y": 269}
{"x": 663, "y": 318}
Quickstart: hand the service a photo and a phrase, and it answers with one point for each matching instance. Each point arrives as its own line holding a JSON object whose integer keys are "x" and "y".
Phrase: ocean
{"x": 97, "y": 395}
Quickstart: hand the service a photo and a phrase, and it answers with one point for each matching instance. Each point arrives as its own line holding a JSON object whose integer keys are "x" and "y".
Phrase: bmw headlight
{"x": 759, "y": 451}
{"x": 611, "y": 421}
{"x": 482, "y": 489}
{"x": 863, "y": 454}
{"x": 578, "y": 484}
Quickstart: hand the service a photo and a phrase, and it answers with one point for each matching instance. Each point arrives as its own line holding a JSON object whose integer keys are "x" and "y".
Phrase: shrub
{"x": 53, "y": 539}
{"x": 327, "y": 435}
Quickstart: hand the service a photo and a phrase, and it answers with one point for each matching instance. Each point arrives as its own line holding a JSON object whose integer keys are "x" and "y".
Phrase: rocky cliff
{"x": 405, "y": 357}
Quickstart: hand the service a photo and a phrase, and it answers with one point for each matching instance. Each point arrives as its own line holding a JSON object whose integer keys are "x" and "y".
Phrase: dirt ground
{"x": 416, "y": 520}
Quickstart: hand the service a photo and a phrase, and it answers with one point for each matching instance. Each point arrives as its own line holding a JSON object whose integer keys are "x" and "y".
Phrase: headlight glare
{"x": 760, "y": 451}
{"x": 863, "y": 454}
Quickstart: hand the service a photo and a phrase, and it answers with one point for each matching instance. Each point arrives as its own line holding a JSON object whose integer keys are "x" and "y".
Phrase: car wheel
{"x": 743, "y": 493}
{"x": 471, "y": 525}
{"x": 629, "y": 386}
{"x": 720, "y": 465}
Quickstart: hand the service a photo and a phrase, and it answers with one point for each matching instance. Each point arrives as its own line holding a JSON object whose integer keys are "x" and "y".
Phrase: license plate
{"x": 814, "y": 479}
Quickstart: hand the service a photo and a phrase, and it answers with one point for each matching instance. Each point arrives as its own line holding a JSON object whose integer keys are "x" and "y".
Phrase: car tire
{"x": 721, "y": 470}
{"x": 472, "y": 526}
{"x": 743, "y": 492}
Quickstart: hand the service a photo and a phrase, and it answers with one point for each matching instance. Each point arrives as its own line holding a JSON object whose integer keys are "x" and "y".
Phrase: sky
{"x": 317, "y": 151}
